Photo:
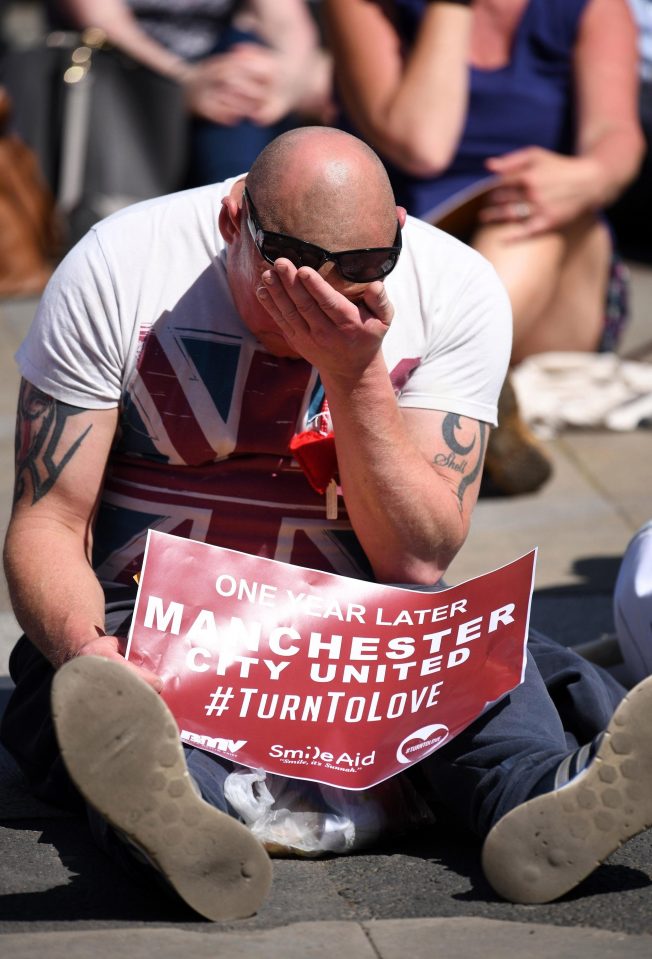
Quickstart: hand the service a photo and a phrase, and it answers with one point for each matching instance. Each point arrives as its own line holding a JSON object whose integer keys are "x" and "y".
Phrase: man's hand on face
{"x": 338, "y": 335}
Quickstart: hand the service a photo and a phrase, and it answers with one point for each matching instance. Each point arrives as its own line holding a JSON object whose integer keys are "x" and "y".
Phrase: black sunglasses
{"x": 359, "y": 266}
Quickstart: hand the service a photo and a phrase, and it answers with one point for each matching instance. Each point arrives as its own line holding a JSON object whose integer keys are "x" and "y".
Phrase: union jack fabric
{"x": 207, "y": 419}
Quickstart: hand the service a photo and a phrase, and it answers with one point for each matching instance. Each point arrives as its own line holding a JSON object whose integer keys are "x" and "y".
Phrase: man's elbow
{"x": 412, "y": 571}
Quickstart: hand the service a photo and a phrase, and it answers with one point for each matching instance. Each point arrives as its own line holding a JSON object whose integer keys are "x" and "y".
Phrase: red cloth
{"x": 315, "y": 453}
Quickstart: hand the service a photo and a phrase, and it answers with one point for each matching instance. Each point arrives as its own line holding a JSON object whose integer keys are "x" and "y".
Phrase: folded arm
{"x": 302, "y": 76}
{"x": 260, "y": 82}
{"x": 559, "y": 189}
{"x": 409, "y": 106}
{"x": 116, "y": 20}
{"x": 609, "y": 136}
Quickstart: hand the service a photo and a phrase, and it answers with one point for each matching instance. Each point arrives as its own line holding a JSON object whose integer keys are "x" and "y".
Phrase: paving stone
{"x": 385, "y": 939}
{"x": 301, "y": 941}
{"x": 570, "y": 520}
{"x": 491, "y": 939}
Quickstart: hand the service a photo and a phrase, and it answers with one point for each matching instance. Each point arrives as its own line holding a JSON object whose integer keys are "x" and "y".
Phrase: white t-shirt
{"x": 140, "y": 315}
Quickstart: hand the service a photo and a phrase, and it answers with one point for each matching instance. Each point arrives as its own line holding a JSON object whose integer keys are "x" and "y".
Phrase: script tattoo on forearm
{"x": 41, "y": 453}
{"x": 466, "y": 460}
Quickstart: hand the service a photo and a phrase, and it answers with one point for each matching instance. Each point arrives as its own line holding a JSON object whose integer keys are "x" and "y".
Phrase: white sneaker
{"x": 632, "y": 605}
{"x": 545, "y": 847}
{"x": 121, "y": 746}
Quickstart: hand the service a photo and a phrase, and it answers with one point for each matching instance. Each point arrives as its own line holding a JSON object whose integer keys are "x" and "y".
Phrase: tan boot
{"x": 515, "y": 462}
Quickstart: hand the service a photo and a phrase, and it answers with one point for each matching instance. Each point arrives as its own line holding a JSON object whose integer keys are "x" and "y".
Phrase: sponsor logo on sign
{"x": 421, "y": 741}
{"x": 210, "y": 742}
{"x": 313, "y": 755}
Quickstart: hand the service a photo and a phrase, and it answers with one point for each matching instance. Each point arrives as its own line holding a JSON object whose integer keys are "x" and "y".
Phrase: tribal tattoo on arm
{"x": 466, "y": 459}
{"x": 41, "y": 451}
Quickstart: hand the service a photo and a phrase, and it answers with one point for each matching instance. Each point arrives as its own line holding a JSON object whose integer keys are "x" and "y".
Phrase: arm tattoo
{"x": 475, "y": 451}
{"x": 40, "y": 452}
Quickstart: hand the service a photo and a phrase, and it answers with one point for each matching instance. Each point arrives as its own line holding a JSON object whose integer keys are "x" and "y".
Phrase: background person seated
{"x": 249, "y": 68}
{"x": 542, "y": 95}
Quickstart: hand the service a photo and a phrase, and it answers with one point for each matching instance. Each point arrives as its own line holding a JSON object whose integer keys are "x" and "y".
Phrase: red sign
{"x": 317, "y": 676}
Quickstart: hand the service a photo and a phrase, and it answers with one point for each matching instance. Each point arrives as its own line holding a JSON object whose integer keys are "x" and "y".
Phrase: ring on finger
{"x": 522, "y": 210}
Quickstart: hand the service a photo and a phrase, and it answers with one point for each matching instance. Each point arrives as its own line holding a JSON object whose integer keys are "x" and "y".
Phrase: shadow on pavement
{"x": 580, "y": 612}
{"x": 596, "y": 574}
{"x": 606, "y": 879}
{"x": 91, "y": 887}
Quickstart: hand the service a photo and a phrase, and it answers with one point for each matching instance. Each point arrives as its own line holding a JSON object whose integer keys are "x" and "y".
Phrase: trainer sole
{"x": 542, "y": 849}
{"x": 121, "y": 746}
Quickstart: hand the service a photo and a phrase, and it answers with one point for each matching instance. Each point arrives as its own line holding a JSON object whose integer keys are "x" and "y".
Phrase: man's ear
{"x": 230, "y": 217}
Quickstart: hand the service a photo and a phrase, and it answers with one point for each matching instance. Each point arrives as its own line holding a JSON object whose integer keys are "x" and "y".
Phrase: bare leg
{"x": 556, "y": 282}
{"x": 515, "y": 462}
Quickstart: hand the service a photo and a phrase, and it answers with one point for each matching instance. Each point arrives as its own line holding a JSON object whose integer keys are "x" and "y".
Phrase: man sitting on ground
{"x": 176, "y": 352}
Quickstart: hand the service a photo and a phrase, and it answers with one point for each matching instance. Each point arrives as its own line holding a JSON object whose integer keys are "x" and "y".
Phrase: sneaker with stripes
{"x": 597, "y": 799}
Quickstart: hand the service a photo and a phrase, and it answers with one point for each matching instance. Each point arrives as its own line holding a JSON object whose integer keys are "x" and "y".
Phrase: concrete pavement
{"x": 424, "y": 895}
{"x": 443, "y": 938}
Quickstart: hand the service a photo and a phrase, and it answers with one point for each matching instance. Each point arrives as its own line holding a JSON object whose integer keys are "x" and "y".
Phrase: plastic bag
{"x": 299, "y": 817}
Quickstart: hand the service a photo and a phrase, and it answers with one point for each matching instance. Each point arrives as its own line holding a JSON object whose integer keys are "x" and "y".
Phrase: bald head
{"x": 324, "y": 186}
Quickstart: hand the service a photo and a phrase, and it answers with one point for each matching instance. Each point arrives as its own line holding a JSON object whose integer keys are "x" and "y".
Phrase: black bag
{"x": 107, "y": 130}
